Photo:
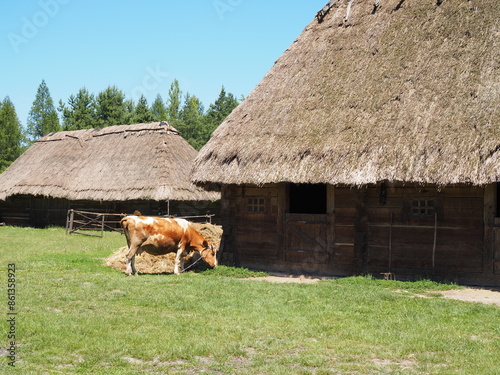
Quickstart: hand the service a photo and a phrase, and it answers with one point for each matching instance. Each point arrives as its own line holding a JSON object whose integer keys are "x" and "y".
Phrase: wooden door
{"x": 306, "y": 239}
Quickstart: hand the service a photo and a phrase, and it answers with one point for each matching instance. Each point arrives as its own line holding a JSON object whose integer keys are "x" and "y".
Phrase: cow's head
{"x": 209, "y": 254}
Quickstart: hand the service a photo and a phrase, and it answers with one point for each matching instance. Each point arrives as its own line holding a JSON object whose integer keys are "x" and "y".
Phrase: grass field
{"x": 77, "y": 316}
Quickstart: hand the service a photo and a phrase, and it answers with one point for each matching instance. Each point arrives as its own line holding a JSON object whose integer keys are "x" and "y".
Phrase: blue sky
{"x": 141, "y": 46}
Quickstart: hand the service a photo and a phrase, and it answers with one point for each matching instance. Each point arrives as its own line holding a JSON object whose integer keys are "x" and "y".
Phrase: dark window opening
{"x": 307, "y": 199}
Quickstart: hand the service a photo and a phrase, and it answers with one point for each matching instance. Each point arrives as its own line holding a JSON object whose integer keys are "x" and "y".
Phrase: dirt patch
{"x": 488, "y": 296}
{"x": 154, "y": 264}
{"x": 282, "y": 278}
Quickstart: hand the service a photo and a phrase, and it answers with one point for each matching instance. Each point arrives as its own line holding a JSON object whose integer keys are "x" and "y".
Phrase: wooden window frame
{"x": 423, "y": 207}
{"x": 256, "y": 205}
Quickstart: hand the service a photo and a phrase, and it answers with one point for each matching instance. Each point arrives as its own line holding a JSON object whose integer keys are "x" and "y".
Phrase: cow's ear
{"x": 205, "y": 244}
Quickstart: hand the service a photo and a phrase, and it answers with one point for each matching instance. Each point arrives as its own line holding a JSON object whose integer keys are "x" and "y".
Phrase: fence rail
{"x": 82, "y": 222}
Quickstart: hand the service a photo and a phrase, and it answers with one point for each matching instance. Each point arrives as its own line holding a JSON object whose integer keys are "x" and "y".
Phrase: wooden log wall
{"x": 42, "y": 212}
{"x": 249, "y": 219}
{"x": 446, "y": 241}
{"x": 411, "y": 231}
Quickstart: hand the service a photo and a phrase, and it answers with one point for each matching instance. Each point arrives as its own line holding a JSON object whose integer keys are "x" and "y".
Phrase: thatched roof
{"x": 124, "y": 162}
{"x": 403, "y": 91}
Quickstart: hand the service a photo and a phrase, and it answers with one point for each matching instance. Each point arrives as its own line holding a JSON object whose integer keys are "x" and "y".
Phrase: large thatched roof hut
{"x": 115, "y": 169}
{"x": 383, "y": 119}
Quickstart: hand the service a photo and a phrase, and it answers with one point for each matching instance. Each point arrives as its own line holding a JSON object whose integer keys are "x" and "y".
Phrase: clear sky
{"x": 142, "y": 45}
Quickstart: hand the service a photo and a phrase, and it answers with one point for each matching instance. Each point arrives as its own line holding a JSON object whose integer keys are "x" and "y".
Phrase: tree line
{"x": 84, "y": 110}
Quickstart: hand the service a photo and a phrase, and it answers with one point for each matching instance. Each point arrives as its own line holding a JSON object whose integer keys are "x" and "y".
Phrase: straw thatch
{"x": 117, "y": 163}
{"x": 153, "y": 264}
{"x": 399, "y": 91}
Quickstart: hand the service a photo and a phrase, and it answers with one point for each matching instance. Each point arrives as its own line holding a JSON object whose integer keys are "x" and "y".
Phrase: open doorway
{"x": 307, "y": 199}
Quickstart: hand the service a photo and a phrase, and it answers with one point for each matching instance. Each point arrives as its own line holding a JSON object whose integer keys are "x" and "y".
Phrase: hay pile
{"x": 151, "y": 264}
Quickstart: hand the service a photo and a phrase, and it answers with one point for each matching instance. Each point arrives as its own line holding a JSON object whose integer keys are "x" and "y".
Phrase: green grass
{"x": 77, "y": 316}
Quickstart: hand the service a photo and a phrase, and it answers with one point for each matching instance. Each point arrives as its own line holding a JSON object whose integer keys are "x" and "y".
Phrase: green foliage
{"x": 174, "y": 103}
{"x": 142, "y": 113}
{"x": 10, "y": 134}
{"x": 190, "y": 118}
{"x": 190, "y": 123}
{"x": 42, "y": 118}
{"x": 81, "y": 111}
{"x": 159, "y": 109}
{"x": 221, "y": 108}
{"x": 111, "y": 108}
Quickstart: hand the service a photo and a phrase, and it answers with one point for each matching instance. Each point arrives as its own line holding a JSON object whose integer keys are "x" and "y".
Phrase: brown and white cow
{"x": 158, "y": 236}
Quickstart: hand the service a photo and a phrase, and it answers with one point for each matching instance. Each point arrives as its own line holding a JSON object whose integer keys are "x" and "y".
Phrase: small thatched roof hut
{"x": 372, "y": 145}
{"x": 149, "y": 162}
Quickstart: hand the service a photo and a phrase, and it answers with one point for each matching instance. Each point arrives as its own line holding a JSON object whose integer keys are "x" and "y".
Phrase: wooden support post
{"x": 390, "y": 243}
{"x": 283, "y": 198}
{"x": 330, "y": 240}
{"x": 491, "y": 247}
{"x": 435, "y": 242}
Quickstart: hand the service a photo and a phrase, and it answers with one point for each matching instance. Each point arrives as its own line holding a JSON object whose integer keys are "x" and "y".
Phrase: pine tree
{"x": 129, "y": 112}
{"x": 80, "y": 112}
{"x": 174, "y": 103}
{"x": 159, "y": 109}
{"x": 191, "y": 121}
{"x": 217, "y": 112}
{"x": 11, "y": 134}
{"x": 222, "y": 107}
{"x": 142, "y": 113}
{"x": 42, "y": 118}
{"x": 111, "y": 108}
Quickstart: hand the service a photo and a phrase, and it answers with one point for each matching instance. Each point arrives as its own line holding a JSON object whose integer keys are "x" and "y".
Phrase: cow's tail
{"x": 124, "y": 223}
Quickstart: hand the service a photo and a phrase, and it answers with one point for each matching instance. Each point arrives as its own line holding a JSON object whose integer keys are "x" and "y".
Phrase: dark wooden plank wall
{"x": 257, "y": 232}
{"x": 363, "y": 231}
{"x": 344, "y": 219}
{"x": 397, "y": 241}
{"x": 42, "y": 212}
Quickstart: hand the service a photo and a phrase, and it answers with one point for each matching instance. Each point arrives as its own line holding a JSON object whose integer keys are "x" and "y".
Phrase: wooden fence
{"x": 83, "y": 222}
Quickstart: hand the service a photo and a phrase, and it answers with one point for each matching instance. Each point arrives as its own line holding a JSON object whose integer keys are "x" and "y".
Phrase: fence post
{"x": 102, "y": 225}
{"x": 69, "y": 221}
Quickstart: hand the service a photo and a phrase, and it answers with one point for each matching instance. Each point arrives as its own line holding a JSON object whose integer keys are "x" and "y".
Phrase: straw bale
{"x": 154, "y": 264}
{"x": 405, "y": 91}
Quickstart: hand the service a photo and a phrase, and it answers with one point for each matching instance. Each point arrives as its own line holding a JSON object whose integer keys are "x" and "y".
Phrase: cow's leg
{"x": 179, "y": 262}
{"x": 132, "y": 264}
{"x": 130, "y": 261}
